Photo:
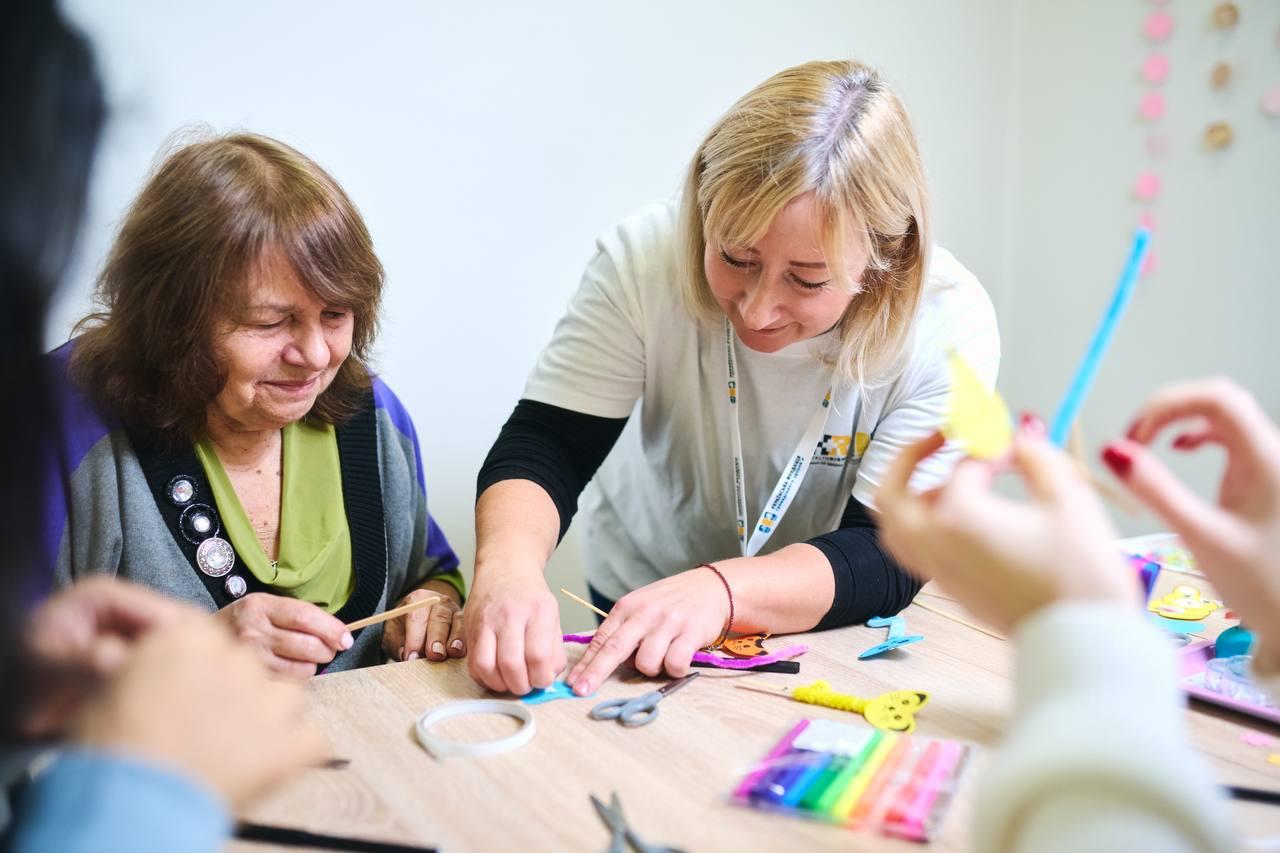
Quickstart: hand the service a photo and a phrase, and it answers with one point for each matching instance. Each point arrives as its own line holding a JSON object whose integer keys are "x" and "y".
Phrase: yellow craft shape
{"x": 896, "y": 711}
{"x": 977, "y": 417}
{"x": 1185, "y": 602}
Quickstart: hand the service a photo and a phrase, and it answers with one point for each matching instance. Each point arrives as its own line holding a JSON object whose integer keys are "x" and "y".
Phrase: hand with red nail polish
{"x": 1005, "y": 559}
{"x": 1236, "y": 540}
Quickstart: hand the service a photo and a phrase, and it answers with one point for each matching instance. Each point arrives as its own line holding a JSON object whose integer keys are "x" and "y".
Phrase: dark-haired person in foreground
{"x": 119, "y": 675}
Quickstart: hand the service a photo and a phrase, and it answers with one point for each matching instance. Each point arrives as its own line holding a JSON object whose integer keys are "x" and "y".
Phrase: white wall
{"x": 487, "y": 144}
{"x": 1211, "y": 304}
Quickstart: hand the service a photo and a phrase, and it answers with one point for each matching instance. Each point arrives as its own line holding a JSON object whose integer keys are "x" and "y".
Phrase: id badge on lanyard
{"x": 751, "y": 541}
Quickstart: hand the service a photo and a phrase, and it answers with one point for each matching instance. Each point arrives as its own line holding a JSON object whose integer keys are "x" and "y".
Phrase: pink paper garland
{"x": 715, "y": 660}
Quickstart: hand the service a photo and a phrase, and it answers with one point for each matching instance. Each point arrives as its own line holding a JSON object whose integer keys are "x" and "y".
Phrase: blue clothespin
{"x": 897, "y": 635}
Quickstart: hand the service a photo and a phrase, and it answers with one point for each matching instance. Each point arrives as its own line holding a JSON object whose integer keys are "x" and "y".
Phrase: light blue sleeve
{"x": 90, "y": 801}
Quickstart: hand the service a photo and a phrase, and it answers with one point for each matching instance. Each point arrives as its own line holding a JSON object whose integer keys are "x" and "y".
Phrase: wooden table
{"x": 674, "y": 775}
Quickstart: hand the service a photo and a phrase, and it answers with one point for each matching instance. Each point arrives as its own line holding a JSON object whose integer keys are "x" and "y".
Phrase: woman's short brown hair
{"x": 207, "y": 216}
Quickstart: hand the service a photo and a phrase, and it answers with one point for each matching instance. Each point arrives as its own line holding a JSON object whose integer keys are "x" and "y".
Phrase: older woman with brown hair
{"x": 224, "y": 439}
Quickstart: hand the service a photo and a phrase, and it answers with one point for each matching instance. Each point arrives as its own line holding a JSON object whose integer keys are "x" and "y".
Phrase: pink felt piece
{"x": 715, "y": 660}
{"x": 1257, "y": 739}
{"x": 1147, "y": 187}
{"x": 1158, "y": 26}
{"x": 1156, "y": 68}
{"x": 1151, "y": 107}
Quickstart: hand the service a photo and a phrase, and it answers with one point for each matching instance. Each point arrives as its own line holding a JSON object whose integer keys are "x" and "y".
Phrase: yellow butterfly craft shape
{"x": 1184, "y": 602}
{"x": 977, "y": 417}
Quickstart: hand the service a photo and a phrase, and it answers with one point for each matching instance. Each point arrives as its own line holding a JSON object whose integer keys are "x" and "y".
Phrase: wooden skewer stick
{"x": 393, "y": 613}
{"x": 1075, "y": 447}
{"x": 956, "y": 619}
{"x": 763, "y": 687}
{"x": 586, "y": 604}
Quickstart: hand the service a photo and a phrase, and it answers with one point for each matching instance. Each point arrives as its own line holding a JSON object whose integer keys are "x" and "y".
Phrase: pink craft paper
{"x": 715, "y": 660}
{"x": 1158, "y": 26}
{"x": 1156, "y": 68}
{"x": 1257, "y": 739}
{"x": 1151, "y": 107}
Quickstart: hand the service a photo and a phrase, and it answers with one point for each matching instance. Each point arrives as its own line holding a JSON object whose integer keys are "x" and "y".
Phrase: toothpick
{"x": 393, "y": 613}
{"x": 586, "y": 604}
{"x": 763, "y": 687}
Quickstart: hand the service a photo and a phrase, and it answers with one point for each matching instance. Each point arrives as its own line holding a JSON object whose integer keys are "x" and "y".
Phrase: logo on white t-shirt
{"x": 833, "y": 450}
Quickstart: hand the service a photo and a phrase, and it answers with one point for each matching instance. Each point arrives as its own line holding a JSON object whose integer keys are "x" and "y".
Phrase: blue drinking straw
{"x": 1069, "y": 410}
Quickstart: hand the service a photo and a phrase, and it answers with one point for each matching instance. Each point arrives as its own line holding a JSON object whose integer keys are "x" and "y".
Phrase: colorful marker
{"x": 866, "y": 773}
{"x": 838, "y": 785}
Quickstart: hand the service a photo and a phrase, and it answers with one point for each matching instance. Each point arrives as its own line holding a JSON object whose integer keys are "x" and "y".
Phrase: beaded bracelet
{"x": 728, "y": 626}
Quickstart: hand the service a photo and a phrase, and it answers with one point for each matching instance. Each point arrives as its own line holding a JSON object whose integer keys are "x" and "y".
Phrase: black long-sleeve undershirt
{"x": 560, "y": 450}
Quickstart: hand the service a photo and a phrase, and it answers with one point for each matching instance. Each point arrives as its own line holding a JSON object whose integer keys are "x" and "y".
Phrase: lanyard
{"x": 792, "y": 474}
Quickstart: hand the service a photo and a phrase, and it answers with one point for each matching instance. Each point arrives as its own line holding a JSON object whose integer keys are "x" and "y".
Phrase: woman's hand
{"x": 189, "y": 697}
{"x": 292, "y": 637}
{"x": 663, "y": 623}
{"x": 433, "y": 632}
{"x": 81, "y": 635}
{"x": 1237, "y": 540}
{"x": 1004, "y": 559}
{"x": 513, "y": 634}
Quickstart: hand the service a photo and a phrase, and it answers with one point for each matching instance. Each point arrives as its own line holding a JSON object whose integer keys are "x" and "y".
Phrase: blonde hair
{"x": 834, "y": 129}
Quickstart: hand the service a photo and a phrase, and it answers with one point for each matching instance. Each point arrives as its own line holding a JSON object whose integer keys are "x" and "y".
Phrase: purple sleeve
{"x": 437, "y": 546}
{"x": 75, "y": 428}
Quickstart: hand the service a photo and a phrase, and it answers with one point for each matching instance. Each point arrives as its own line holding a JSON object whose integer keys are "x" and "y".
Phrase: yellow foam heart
{"x": 977, "y": 417}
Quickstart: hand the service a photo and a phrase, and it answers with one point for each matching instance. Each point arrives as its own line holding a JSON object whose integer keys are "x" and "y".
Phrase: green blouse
{"x": 314, "y": 562}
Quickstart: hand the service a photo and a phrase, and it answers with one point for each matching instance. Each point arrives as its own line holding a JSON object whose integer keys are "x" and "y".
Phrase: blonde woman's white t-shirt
{"x": 663, "y": 501}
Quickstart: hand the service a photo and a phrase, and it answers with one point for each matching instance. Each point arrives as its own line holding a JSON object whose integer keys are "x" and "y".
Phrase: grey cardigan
{"x": 105, "y": 512}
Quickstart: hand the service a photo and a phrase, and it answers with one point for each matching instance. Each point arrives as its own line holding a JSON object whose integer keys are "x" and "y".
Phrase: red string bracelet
{"x": 728, "y": 626}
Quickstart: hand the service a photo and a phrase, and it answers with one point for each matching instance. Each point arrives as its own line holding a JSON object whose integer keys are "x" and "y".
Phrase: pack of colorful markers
{"x": 858, "y": 777}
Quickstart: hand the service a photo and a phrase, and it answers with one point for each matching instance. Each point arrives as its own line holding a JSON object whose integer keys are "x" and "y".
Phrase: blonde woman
{"x": 745, "y": 362}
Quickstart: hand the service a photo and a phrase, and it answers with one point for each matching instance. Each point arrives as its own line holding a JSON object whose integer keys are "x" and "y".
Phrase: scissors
{"x": 642, "y": 709}
{"x": 622, "y": 833}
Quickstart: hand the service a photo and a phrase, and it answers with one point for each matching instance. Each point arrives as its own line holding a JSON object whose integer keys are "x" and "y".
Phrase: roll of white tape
{"x": 443, "y": 747}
